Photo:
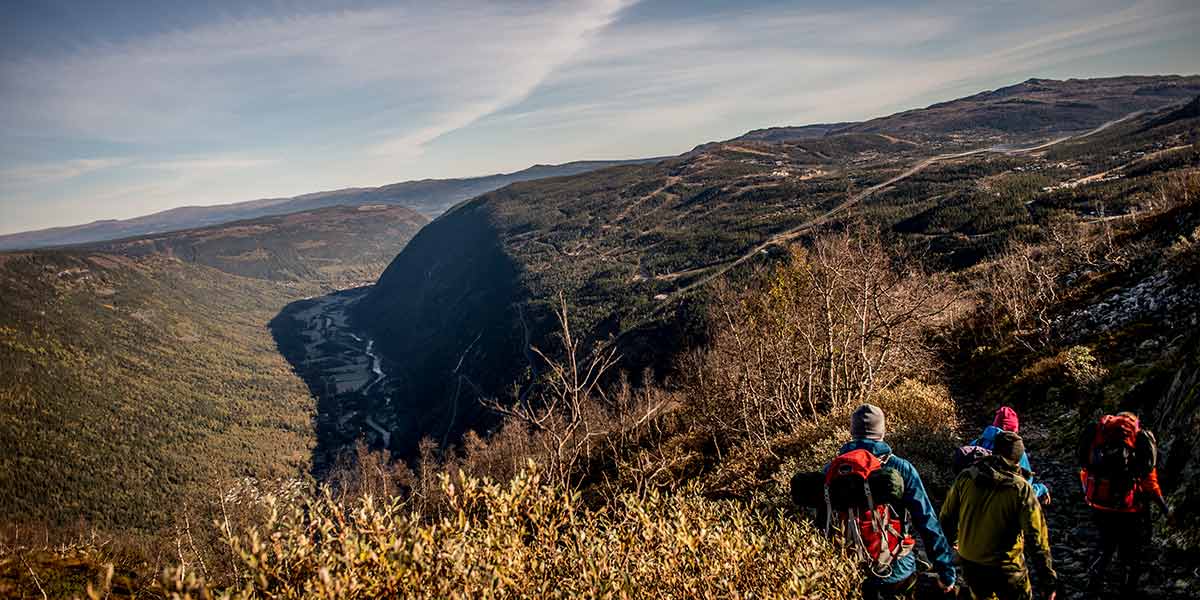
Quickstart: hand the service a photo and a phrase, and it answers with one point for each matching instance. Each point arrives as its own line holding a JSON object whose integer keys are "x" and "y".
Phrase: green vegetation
{"x": 633, "y": 248}
{"x": 137, "y": 381}
{"x": 129, "y": 387}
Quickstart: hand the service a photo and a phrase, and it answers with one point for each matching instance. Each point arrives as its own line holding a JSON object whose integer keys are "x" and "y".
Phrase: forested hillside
{"x": 339, "y": 246}
{"x": 137, "y": 373}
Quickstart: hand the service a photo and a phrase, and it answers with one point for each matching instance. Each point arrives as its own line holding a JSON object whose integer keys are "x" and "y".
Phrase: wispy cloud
{"x": 724, "y": 73}
{"x": 53, "y": 172}
{"x": 551, "y": 47}
{"x": 410, "y": 73}
{"x": 285, "y": 100}
{"x": 216, "y": 163}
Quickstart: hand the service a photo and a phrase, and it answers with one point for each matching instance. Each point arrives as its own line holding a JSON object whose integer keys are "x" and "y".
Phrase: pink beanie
{"x": 1006, "y": 419}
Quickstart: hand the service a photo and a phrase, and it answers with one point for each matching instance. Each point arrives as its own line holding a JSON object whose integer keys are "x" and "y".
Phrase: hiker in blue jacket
{"x": 867, "y": 426}
{"x": 1006, "y": 420}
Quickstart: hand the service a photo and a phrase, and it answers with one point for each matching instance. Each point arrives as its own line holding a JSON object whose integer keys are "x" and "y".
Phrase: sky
{"x": 119, "y": 109}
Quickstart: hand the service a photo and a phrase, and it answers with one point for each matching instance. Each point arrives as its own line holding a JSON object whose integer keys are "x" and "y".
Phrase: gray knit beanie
{"x": 1009, "y": 446}
{"x": 867, "y": 423}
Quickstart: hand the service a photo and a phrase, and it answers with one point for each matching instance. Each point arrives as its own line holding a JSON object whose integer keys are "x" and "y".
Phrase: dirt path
{"x": 624, "y": 214}
{"x": 1073, "y": 537}
{"x": 1119, "y": 168}
{"x": 745, "y": 150}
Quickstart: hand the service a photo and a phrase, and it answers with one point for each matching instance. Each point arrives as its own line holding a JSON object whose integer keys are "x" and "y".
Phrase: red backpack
{"x": 1110, "y": 473}
{"x": 876, "y": 532}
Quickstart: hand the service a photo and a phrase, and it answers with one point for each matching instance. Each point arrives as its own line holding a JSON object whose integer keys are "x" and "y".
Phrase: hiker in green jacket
{"x": 992, "y": 512}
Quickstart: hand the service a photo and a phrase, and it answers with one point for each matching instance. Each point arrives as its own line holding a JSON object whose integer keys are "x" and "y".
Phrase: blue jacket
{"x": 988, "y": 439}
{"x": 920, "y": 510}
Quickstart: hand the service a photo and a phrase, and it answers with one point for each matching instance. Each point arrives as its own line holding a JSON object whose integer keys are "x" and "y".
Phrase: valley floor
{"x": 342, "y": 369}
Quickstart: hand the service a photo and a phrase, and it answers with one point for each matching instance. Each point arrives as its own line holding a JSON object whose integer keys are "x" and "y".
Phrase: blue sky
{"x": 116, "y": 109}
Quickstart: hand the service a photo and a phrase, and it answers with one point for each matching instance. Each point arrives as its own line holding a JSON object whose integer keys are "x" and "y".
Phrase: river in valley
{"x": 343, "y": 370}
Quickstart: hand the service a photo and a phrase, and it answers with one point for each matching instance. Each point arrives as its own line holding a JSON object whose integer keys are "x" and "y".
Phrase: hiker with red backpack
{"x": 1005, "y": 420}
{"x": 1120, "y": 483}
{"x": 992, "y": 512}
{"x": 869, "y": 492}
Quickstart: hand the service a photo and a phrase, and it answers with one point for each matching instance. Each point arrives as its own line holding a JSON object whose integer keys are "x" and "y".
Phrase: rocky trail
{"x": 1050, "y": 441}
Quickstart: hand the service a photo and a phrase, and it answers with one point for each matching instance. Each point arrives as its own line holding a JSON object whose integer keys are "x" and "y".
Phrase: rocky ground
{"x": 1073, "y": 536}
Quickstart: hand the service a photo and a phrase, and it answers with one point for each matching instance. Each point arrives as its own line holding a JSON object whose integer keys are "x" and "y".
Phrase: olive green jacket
{"x": 991, "y": 511}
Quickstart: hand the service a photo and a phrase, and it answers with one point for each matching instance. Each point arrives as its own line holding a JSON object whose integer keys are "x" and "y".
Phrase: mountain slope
{"x": 630, "y": 246}
{"x": 429, "y": 197}
{"x": 139, "y": 377}
{"x": 1037, "y": 106}
{"x": 339, "y": 245}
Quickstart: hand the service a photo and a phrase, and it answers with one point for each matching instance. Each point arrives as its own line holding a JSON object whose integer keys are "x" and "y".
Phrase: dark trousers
{"x": 987, "y": 583}
{"x": 1127, "y": 535}
{"x": 905, "y": 589}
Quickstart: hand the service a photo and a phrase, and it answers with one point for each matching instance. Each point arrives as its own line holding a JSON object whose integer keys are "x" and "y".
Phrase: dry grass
{"x": 523, "y": 539}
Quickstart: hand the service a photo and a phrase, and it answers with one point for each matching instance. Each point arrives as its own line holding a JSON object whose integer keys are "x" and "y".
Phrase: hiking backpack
{"x": 859, "y": 494}
{"x": 1119, "y": 455}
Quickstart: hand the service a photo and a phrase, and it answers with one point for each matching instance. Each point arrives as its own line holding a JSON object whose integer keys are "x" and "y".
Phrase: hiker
{"x": 1006, "y": 420}
{"x": 894, "y": 490}
{"x": 992, "y": 512}
{"x": 1120, "y": 483}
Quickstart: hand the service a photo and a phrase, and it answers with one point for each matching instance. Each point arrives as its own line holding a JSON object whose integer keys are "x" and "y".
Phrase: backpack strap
{"x": 828, "y": 512}
{"x": 881, "y": 566}
{"x": 1147, "y": 451}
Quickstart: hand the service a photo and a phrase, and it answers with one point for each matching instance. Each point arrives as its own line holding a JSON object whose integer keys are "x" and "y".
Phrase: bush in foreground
{"x": 529, "y": 540}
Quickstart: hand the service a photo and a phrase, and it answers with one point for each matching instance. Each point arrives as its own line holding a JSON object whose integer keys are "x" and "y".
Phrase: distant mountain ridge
{"x": 430, "y": 197}
{"x": 336, "y": 246}
{"x": 1032, "y": 106}
{"x": 1037, "y": 106}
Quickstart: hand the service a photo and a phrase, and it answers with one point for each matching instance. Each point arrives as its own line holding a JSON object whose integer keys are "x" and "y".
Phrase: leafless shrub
{"x": 1180, "y": 188}
{"x": 835, "y": 324}
{"x": 1017, "y": 290}
{"x": 359, "y": 471}
{"x": 569, "y": 415}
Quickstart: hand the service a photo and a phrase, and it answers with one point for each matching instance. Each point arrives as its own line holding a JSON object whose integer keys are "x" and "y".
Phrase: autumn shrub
{"x": 922, "y": 426}
{"x": 1072, "y": 375}
{"x": 527, "y": 539}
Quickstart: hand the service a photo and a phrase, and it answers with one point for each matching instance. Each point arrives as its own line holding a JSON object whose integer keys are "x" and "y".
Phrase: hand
{"x": 1053, "y": 591}
{"x": 946, "y": 588}
{"x": 1045, "y": 499}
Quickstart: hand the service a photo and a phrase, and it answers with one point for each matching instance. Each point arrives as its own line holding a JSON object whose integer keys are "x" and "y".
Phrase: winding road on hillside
{"x": 789, "y": 235}
{"x": 784, "y": 237}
